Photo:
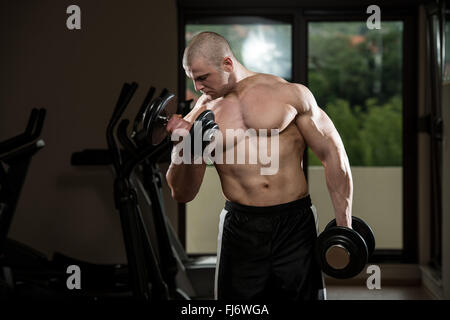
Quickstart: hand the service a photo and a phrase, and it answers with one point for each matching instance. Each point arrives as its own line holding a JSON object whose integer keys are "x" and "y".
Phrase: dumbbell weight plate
{"x": 209, "y": 126}
{"x": 350, "y": 244}
{"x": 203, "y": 122}
{"x": 363, "y": 229}
{"x": 141, "y": 137}
{"x": 166, "y": 108}
{"x": 196, "y": 134}
{"x": 149, "y": 114}
{"x": 366, "y": 232}
{"x": 138, "y": 123}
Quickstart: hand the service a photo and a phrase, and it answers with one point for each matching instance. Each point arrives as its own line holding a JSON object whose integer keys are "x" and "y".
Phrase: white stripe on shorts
{"x": 322, "y": 292}
{"x": 219, "y": 247}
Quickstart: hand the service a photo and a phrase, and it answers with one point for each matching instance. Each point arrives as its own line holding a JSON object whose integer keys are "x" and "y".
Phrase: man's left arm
{"x": 322, "y": 137}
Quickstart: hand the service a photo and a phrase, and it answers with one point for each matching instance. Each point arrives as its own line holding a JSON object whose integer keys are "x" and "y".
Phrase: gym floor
{"x": 354, "y": 292}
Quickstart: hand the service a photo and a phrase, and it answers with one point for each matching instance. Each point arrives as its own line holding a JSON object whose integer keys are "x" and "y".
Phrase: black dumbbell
{"x": 203, "y": 124}
{"x": 162, "y": 109}
{"x": 157, "y": 117}
{"x": 343, "y": 252}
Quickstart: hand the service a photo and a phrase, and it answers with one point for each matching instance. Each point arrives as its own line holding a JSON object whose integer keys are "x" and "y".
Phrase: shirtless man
{"x": 268, "y": 227}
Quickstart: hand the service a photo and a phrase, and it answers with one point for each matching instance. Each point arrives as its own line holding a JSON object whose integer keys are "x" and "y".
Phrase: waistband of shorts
{"x": 301, "y": 203}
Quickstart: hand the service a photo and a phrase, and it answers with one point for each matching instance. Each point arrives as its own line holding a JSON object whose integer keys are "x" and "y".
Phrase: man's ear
{"x": 227, "y": 64}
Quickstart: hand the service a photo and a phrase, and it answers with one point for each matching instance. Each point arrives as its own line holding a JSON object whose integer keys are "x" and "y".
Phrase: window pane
{"x": 261, "y": 46}
{"x": 356, "y": 76}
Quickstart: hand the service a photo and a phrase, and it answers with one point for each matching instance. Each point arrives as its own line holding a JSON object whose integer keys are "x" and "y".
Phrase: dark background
{"x": 77, "y": 76}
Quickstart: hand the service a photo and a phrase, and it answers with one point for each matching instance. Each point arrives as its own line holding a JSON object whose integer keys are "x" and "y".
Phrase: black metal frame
{"x": 433, "y": 124}
{"x": 146, "y": 279}
{"x": 327, "y": 11}
{"x": 17, "y": 153}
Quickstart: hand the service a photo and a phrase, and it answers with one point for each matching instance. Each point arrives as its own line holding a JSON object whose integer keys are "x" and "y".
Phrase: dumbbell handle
{"x": 165, "y": 120}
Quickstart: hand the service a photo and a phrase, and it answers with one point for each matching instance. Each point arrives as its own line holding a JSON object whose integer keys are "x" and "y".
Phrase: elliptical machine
{"x": 26, "y": 272}
{"x": 185, "y": 277}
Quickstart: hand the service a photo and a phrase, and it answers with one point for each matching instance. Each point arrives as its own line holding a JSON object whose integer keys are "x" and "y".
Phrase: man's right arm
{"x": 184, "y": 180}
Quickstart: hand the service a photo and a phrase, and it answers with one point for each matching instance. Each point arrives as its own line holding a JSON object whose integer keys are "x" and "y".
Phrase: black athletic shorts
{"x": 267, "y": 253}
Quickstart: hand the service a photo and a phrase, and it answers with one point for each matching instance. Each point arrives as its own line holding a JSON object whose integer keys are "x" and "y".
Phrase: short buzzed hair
{"x": 210, "y": 46}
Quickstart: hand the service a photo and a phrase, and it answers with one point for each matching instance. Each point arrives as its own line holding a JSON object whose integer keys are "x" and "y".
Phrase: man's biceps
{"x": 310, "y": 126}
{"x": 319, "y": 139}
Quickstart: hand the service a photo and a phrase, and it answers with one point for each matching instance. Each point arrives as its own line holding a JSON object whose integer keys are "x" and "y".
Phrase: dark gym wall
{"x": 77, "y": 76}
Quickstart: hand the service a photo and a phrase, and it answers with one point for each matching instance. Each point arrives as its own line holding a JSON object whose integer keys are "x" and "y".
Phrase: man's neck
{"x": 242, "y": 72}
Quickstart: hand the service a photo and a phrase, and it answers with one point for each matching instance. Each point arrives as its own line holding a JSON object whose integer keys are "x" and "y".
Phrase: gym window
{"x": 355, "y": 75}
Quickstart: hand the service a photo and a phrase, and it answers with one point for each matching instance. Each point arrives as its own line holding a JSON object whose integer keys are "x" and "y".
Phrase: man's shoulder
{"x": 259, "y": 81}
{"x": 271, "y": 84}
{"x": 298, "y": 96}
{"x": 267, "y": 87}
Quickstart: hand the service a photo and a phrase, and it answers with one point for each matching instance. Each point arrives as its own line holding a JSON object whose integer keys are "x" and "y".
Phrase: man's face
{"x": 208, "y": 79}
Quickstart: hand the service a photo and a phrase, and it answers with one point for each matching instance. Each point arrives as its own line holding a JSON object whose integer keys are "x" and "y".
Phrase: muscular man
{"x": 268, "y": 227}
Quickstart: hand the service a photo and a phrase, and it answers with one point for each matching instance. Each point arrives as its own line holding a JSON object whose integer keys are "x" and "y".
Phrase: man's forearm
{"x": 184, "y": 180}
{"x": 340, "y": 186}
